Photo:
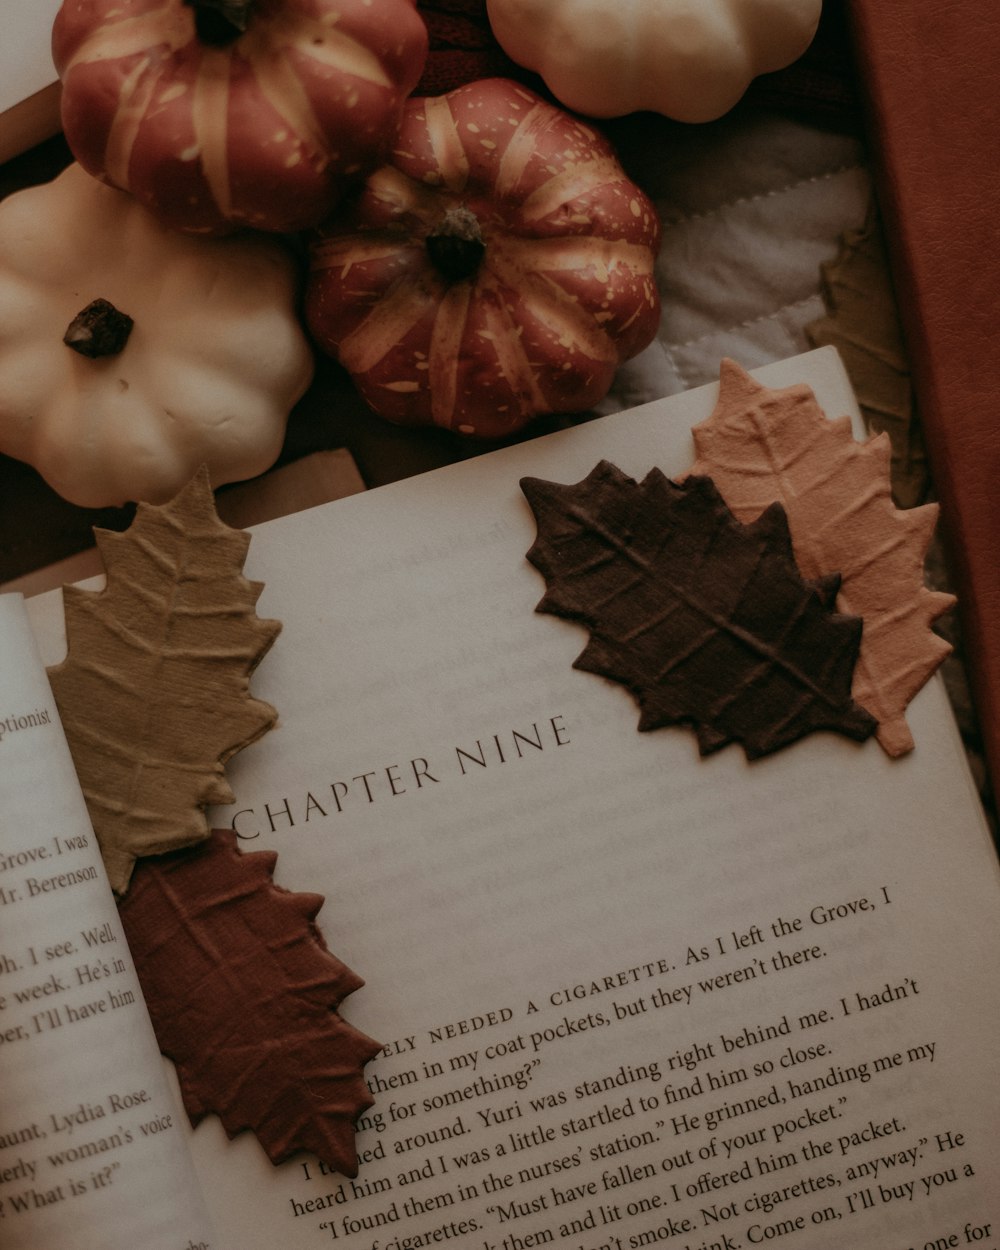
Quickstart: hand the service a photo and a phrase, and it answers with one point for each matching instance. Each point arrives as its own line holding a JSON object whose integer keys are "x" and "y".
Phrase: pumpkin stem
{"x": 98, "y": 330}
{"x": 456, "y": 245}
{"x": 220, "y": 22}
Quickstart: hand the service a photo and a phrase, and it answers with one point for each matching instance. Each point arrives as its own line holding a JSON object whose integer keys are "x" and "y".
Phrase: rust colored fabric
{"x": 930, "y": 76}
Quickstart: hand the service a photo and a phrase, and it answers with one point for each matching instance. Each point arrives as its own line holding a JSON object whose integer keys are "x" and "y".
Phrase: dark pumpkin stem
{"x": 99, "y": 330}
{"x": 456, "y": 245}
{"x": 220, "y": 22}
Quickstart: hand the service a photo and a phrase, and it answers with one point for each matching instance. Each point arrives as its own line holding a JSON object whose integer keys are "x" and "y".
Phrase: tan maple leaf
{"x": 862, "y": 322}
{"x": 154, "y": 690}
{"x": 761, "y": 445}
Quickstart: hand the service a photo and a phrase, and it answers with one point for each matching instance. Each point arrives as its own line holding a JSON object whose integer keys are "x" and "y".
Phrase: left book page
{"x": 92, "y": 1153}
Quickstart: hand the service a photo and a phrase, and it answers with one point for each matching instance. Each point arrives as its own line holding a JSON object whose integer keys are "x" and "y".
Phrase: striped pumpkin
{"x": 259, "y": 118}
{"x": 500, "y": 267}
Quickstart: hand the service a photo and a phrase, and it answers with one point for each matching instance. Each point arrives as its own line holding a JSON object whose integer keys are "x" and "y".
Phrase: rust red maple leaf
{"x": 705, "y": 620}
{"x": 243, "y": 994}
{"x": 762, "y": 445}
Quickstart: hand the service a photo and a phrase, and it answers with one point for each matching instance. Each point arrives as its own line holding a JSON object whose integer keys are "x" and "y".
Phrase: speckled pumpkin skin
{"x": 266, "y": 131}
{"x": 564, "y": 292}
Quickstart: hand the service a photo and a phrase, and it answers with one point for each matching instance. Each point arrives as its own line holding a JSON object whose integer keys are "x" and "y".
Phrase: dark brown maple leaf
{"x": 761, "y": 445}
{"x": 243, "y": 995}
{"x": 706, "y": 621}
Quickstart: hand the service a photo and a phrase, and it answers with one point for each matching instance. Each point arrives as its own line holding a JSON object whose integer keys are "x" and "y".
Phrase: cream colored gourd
{"x": 688, "y": 59}
{"x": 212, "y": 365}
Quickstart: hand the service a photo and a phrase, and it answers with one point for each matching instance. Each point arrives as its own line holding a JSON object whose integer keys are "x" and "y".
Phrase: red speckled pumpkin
{"x": 500, "y": 267}
{"x": 221, "y": 113}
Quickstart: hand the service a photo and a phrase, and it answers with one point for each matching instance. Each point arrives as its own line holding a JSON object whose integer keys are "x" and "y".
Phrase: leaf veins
{"x": 154, "y": 690}
{"x": 705, "y": 620}
{"x": 243, "y": 992}
{"x": 761, "y": 445}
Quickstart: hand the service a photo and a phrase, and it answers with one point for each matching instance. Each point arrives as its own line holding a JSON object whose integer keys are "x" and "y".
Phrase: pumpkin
{"x": 178, "y": 351}
{"x": 500, "y": 266}
{"x": 688, "y": 59}
{"x": 246, "y": 112}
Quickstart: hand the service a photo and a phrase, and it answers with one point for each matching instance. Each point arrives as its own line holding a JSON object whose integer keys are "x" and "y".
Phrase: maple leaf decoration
{"x": 761, "y": 445}
{"x": 243, "y": 993}
{"x": 705, "y": 620}
{"x": 862, "y": 322}
{"x": 154, "y": 690}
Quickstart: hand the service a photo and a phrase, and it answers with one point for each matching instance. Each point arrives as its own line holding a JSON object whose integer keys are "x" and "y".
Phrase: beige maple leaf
{"x": 761, "y": 445}
{"x": 154, "y": 690}
{"x": 862, "y": 322}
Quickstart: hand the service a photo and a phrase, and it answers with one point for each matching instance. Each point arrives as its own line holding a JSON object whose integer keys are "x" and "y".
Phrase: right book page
{"x": 628, "y": 996}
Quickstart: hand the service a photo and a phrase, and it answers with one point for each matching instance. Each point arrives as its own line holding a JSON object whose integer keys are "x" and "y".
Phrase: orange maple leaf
{"x": 761, "y": 446}
{"x": 706, "y": 621}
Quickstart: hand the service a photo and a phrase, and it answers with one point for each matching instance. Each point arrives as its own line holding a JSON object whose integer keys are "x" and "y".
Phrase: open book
{"x": 628, "y": 996}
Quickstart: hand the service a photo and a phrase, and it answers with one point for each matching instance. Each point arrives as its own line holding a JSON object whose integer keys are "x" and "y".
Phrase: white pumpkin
{"x": 214, "y": 360}
{"x": 688, "y": 59}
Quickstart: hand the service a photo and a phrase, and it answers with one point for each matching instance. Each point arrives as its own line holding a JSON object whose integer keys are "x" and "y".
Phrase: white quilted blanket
{"x": 751, "y": 207}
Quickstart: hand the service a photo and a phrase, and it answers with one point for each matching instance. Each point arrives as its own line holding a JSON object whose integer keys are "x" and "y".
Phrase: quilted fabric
{"x": 751, "y": 207}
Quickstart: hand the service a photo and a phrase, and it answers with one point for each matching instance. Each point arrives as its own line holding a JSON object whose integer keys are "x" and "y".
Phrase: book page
{"x": 92, "y": 1150}
{"x": 25, "y": 55}
{"x": 628, "y": 996}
